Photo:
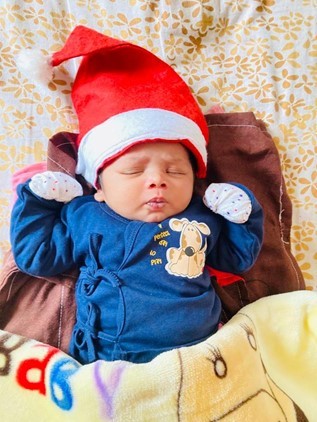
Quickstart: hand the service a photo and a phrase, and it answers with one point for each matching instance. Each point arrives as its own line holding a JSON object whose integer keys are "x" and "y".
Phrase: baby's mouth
{"x": 156, "y": 203}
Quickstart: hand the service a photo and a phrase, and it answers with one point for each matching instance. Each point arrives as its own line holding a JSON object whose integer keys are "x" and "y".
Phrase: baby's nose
{"x": 157, "y": 180}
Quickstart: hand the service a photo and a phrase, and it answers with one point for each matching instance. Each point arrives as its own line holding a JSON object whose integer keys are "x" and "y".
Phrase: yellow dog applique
{"x": 189, "y": 259}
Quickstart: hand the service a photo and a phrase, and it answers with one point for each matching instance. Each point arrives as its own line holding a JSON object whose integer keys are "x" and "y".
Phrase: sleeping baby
{"x": 143, "y": 241}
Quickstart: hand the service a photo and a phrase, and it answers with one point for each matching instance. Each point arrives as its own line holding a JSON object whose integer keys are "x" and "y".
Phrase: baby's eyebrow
{"x": 135, "y": 160}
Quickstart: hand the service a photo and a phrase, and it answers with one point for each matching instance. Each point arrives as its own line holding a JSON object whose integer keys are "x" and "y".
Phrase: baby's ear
{"x": 99, "y": 196}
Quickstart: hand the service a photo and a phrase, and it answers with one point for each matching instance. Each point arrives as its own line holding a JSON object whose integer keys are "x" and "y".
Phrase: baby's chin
{"x": 154, "y": 217}
{"x": 159, "y": 216}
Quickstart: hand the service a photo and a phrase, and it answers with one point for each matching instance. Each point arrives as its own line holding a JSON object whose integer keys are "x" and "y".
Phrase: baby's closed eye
{"x": 132, "y": 171}
{"x": 175, "y": 170}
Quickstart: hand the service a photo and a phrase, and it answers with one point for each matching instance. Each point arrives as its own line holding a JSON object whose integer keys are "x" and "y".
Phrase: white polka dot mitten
{"x": 229, "y": 201}
{"x": 55, "y": 185}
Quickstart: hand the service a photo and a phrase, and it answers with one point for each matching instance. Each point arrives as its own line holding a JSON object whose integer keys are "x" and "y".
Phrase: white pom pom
{"x": 35, "y": 65}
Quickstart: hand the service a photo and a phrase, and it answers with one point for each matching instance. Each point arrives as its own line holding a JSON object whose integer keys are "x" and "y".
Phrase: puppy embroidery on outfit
{"x": 189, "y": 259}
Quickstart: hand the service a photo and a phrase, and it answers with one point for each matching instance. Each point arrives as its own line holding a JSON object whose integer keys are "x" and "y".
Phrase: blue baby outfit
{"x": 143, "y": 287}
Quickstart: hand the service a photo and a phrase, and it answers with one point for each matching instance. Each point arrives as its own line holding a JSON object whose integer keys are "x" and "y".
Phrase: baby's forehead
{"x": 165, "y": 150}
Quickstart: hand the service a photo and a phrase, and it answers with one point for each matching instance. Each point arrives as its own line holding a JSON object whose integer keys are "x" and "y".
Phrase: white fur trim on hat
{"x": 126, "y": 129}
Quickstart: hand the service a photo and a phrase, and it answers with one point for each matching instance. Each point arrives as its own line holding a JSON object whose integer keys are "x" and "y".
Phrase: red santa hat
{"x": 124, "y": 95}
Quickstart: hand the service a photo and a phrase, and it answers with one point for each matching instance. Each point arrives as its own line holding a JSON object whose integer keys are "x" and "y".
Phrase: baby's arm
{"x": 40, "y": 239}
{"x": 241, "y": 235}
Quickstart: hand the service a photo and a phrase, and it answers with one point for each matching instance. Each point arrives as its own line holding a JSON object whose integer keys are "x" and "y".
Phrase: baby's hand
{"x": 229, "y": 201}
{"x": 55, "y": 185}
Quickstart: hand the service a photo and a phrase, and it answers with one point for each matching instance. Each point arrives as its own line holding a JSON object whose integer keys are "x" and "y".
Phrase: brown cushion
{"x": 241, "y": 150}
{"x": 39, "y": 308}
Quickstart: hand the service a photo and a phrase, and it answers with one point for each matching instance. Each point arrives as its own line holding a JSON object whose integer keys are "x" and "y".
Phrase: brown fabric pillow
{"x": 40, "y": 308}
{"x": 240, "y": 150}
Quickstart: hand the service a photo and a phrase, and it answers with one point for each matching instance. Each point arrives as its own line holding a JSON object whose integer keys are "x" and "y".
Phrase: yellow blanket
{"x": 261, "y": 366}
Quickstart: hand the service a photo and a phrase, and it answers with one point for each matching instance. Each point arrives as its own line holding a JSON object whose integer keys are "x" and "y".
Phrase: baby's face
{"x": 150, "y": 182}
